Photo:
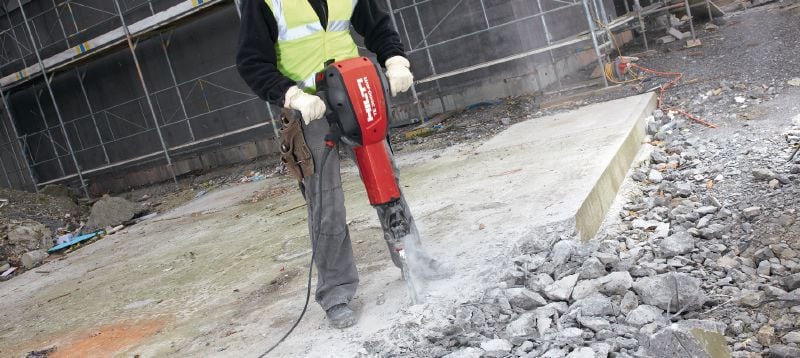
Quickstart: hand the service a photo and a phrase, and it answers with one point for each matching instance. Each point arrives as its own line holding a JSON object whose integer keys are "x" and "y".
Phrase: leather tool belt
{"x": 295, "y": 153}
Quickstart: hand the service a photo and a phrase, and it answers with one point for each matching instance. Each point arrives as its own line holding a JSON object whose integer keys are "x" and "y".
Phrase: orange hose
{"x": 677, "y": 78}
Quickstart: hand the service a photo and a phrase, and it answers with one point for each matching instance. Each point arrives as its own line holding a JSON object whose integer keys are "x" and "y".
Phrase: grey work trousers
{"x": 337, "y": 277}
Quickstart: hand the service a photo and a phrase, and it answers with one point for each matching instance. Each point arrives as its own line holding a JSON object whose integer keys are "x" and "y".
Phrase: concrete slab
{"x": 568, "y": 166}
{"x": 225, "y": 274}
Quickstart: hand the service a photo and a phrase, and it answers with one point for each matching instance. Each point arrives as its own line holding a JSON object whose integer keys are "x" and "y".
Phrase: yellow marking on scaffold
{"x": 82, "y": 48}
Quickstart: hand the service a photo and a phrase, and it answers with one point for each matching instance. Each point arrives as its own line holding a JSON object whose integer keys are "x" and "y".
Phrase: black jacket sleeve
{"x": 370, "y": 21}
{"x": 257, "y": 61}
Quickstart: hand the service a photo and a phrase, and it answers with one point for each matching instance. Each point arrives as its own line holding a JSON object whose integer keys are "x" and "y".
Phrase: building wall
{"x": 440, "y": 36}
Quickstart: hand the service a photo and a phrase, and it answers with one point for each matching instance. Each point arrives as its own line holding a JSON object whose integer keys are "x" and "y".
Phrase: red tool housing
{"x": 357, "y": 96}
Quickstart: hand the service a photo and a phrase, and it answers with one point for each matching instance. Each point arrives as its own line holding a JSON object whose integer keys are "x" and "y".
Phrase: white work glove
{"x": 310, "y": 106}
{"x": 398, "y": 74}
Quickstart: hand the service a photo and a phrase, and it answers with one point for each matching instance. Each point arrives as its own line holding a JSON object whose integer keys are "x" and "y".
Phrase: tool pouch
{"x": 295, "y": 153}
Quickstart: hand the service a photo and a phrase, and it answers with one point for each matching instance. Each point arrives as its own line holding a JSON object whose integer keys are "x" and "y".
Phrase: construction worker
{"x": 282, "y": 45}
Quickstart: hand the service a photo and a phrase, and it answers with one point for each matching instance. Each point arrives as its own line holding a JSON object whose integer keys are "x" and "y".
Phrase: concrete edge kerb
{"x": 596, "y": 205}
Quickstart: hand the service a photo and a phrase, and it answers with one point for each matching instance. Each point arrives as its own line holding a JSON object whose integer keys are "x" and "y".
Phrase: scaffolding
{"x": 58, "y": 43}
{"x": 600, "y": 26}
{"x": 407, "y": 19}
{"x": 78, "y": 44}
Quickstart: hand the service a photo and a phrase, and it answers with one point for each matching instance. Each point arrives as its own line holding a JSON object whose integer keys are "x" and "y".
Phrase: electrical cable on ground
{"x": 315, "y": 237}
{"x": 677, "y": 77}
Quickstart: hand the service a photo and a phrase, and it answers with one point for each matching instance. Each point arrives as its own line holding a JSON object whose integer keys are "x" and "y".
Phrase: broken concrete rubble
{"x": 592, "y": 268}
{"x": 23, "y": 236}
{"x": 583, "y": 352}
{"x": 59, "y": 191}
{"x": 763, "y": 174}
{"x": 766, "y": 335}
{"x": 680, "y": 243}
{"x": 523, "y": 326}
{"x": 645, "y": 314}
{"x": 524, "y": 298}
{"x": 674, "y": 292}
{"x": 561, "y": 290}
{"x": 594, "y": 305}
{"x": 676, "y": 34}
{"x": 783, "y": 351}
{"x": 111, "y": 211}
{"x": 32, "y": 259}
{"x": 496, "y": 348}
{"x": 691, "y": 338}
{"x": 469, "y": 352}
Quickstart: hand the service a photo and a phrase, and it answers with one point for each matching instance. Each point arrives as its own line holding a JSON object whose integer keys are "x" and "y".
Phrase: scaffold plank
{"x": 109, "y": 39}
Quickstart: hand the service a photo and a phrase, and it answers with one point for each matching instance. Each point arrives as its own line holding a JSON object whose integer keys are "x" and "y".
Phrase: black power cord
{"x": 318, "y": 218}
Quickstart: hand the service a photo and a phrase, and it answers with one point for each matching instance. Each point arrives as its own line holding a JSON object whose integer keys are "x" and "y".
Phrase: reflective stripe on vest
{"x": 304, "y": 45}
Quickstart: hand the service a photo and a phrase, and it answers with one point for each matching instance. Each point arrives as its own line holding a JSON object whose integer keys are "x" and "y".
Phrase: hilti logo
{"x": 366, "y": 96}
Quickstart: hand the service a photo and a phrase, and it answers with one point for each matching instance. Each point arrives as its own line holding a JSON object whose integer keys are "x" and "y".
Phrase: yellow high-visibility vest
{"x": 303, "y": 45}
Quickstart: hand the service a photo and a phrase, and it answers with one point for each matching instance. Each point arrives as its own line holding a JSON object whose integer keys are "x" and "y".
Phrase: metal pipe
{"x": 607, "y": 33}
{"x": 238, "y": 5}
{"x": 177, "y": 147}
{"x": 91, "y": 113}
{"x": 46, "y": 130}
{"x": 430, "y": 58}
{"x": 55, "y": 104}
{"x": 205, "y": 97}
{"x": 594, "y": 41}
{"x": 505, "y": 59}
{"x": 691, "y": 19}
{"x": 61, "y": 23}
{"x": 8, "y": 109}
{"x": 603, "y": 11}
{"x": 708, "y": 8}
{"x": 5, "y": 173}
{"x": 146, "y": 92}
{"x": 19, "y": 141}
{"x": 164, "y": 45}
{"x": 486, "y": 17}
{"x": 599, "y": 17}
{"x": 272, "y": 121}
{"x": 414, "y": 93}
{"x": 78, "y": 137}
{"x": 662, "y": 9}
{"x": 72, "y": 16}
{"x": 521, "y": 19}
{"x": 11, "y": 145}
{"x": 549, "y": 39}
{"x": 108, "y": 124}
{"x": 638, "y": 7}
{"x": 206, "y": 4}
{"x": 596, "y": 9}
{"x": 416, "y": 3}
{"x": 16, "y": 41}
